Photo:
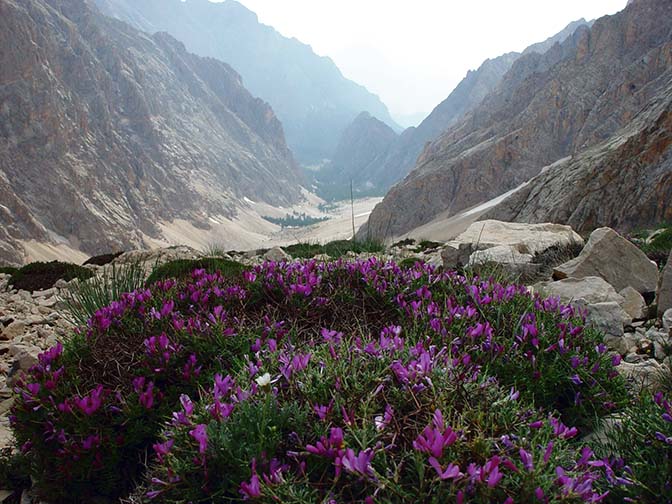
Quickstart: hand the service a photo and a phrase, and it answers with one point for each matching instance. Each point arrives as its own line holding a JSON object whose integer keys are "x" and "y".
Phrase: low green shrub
{"x": 8, "y": 270}
{"x": 641, "y": 438}
{"x": 40, "y": 275}
{"x": 334, "y": 249}
{"x": 183, "y": 268}
{"x": 306, "y": 382}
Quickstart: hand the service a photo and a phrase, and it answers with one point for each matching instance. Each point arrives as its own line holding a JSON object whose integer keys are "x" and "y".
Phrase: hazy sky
{"x": 412, "y": 53}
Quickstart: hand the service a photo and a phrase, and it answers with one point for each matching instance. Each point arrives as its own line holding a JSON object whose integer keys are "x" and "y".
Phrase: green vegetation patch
{"x": 183, "y": 268}
{"x": 334, "y": 249}
{"x": 40, "y": 275}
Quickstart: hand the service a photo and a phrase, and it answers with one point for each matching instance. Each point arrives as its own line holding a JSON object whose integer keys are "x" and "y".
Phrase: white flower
{"x": 264, "y": 380}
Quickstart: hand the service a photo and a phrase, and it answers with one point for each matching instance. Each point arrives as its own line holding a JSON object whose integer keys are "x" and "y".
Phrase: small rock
{"x": 44, "y": 293}
{"x": 667, "y": 321}
{"x": 643, "y": 375}
{"x": 276, "y": 254}
{"x": 456, "y": 255}
{"x": 608, "y": 317}
{"x": 13, "y": 330}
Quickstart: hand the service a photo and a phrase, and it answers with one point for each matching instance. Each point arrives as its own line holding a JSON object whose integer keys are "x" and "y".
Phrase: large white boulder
{"x": 618, "y": 261}
{"x": 525, "y": 238}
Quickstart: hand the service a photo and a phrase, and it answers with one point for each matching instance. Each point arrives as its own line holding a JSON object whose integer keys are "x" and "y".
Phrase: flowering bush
{"x": 324, "y": 382}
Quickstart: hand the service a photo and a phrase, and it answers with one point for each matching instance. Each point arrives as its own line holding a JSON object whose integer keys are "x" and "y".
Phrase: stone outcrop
{"x": 310, "y": 95}
{"x": 600, "y": 98}
{"x": 615, "y": 259}
{"x": 105, "y": 132}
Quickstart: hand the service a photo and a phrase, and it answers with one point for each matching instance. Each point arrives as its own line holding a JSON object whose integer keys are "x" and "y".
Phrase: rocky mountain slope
{"x": 105, "y": 132}
{"x": 624, "y": 182}
{"x": 577, "y": 95}
{"x": 394, "y": 163}
{"x": 360, "y": 146}
{"x": 310, "y": 95}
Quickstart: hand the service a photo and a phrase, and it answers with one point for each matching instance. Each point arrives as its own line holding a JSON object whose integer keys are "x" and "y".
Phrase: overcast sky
{"x": 412, "y": 53}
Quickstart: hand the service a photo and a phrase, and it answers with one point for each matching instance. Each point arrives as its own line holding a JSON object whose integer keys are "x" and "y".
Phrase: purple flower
{"x": 526, "y": 458}
{"x": 199, "y": 433}
{"x": 451, "y": 472}
{"x": 91, "y": 403}
{"x": 251, "y": 489}
{"x": 358, "y": 464}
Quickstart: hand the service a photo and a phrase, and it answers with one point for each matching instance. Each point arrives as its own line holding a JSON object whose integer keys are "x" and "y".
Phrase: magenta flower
{"x": 358, "y": 464}
{"x": 199, "y": 433}
{"x": 451, "y": 472}
{"x": 91, "y": 403}
{"x": 251, "y": 489}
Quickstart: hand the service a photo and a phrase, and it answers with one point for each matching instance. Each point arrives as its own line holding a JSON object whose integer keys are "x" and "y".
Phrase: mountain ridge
{"x": 106, "y": 132}
{"x": 310, "y": 95}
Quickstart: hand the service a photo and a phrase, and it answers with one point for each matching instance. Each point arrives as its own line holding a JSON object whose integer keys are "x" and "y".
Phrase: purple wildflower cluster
{"x": 361, "y": 381}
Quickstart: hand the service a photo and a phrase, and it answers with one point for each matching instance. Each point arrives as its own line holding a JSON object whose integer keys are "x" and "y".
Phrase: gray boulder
{"x": 665, "y": 289}
{"x": 613, "y": 258}
{"x": 634, "y": 303}
{"x": 608, "y": 317}
{"x": 277, "y": 254}
{"x": 591, "y": 289}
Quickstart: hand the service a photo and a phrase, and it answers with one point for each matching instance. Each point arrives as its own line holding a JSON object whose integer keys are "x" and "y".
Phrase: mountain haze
{"x": 309, "y": 94}
{"x": 394, "y": 163}
{"x": 547, "y": 107}
{"x": 106, "y": 132}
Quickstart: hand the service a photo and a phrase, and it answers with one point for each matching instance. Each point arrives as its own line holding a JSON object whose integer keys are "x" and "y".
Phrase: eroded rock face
{"x": 615, "y": 259}
{"x": 603, "y": 86}
{"x": 106, "y": 131}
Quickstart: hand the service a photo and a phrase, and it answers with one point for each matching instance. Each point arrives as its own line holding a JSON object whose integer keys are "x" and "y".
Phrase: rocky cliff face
{"x": 360, "y": 146}
{"x": 106, "y": 131}
{"x": 624, "y": 182}
{"x": 547, "y": 107}
{"x": 310, "y": 95}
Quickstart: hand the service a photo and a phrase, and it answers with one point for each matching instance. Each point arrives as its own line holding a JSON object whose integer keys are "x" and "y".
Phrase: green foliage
{"x": 8, "y": 270}
{"x": 334, "y": 249}
{"x": 656, "y": 244}
{"x": 14, "y": 471}
{"x": 87, "y": 297}
{"x": 41, "y": 275}
{"x": 426, "y": 245}
{"x": 295, "y": 220}
{"x": 642, "y": 437}
{"x": 183, "y": 268}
